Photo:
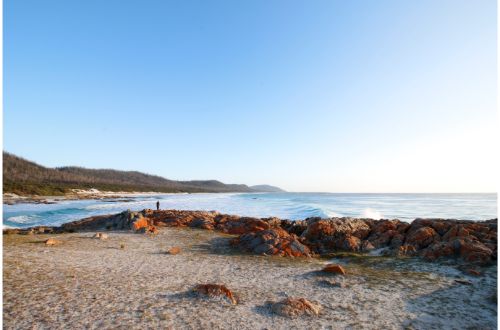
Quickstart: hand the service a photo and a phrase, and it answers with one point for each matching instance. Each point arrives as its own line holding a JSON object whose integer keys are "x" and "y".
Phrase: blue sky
{"x": 341, "y": 96}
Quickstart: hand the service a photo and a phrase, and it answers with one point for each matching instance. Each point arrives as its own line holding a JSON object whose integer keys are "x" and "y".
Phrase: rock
{"x": 397, "y": 240}
{"x": 383, "y": 226}
{"x": 351, "y": 243}
{"x": 216, "y": 290}
{"x": 10, "y": 231}
{"x": 101, "y": 236}
{"x": 52, "y": 242}
{"x": 318, "y": 228}
{"x": 179, "y": 218}
{"x": 472, "y": 250}
{"x": 382, "y": 239}
{"x": 406, "y": 250}
{"x": 240, "y": 225}
{"x": 439, "y": 249}
{"x": 422, "y": 237}
{"x": 275, "y": 241}
{"x": 367, "y": 246}
{"x": 203, "y": 223}
{"x": 294, "y": 227}
{"x": 174, "y": 250}
{"x": 293, "y": 307}
{"x": 140, "y": 223}
{"x": 334, "y": 269}
{"x": 456, "y": 231}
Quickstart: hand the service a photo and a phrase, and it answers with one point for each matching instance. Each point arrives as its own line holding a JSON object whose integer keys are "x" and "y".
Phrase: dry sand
{"x": 86, "y": 283}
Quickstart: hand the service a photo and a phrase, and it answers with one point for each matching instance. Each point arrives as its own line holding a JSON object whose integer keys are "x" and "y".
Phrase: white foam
{"x": 372, "y": 214}
{"x": 22, "y": 218}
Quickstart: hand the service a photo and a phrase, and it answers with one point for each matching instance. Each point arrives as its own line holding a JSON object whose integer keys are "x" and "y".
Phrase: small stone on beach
{"x": 335, "y": 269}
{"x": 174, "y": 250}
{"x": 216, "y": 290}
{"x": 292, "y": 307}
{"x": 52, "y": 242}
{"x": 101, "y": 236}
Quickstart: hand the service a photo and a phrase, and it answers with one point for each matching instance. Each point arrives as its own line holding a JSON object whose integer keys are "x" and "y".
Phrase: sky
{"x": 333, "y": 96}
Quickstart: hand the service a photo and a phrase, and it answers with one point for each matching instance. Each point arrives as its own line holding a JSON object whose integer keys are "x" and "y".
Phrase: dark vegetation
{"x": 24, "y": 177}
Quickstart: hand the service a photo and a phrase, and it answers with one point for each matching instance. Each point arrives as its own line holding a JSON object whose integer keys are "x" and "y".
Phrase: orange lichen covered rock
{"x": 422, "y": 237}
{"x": 240, "y": 225}
{"x": 334, "y": 269}
{"x": 330, "y": 235}
{"x": 293, "y": 307}
{"x": 472, "y": 250}
{"x": 140, "y": 223}
{"x": 275, "y": 241}
{"x": 215, "y": 291}
{"x": 174, "y": 250}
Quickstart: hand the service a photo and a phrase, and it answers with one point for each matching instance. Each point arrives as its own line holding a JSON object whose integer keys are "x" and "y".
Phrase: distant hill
{"x": 266, "y": 188}
{"x": 24, "y": 177}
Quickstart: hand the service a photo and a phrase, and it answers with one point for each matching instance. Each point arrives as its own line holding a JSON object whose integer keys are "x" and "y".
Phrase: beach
{"x": 129, "y": 281}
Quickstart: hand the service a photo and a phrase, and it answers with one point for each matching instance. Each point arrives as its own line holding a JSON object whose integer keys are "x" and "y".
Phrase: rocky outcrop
{"x": 328, "y": 235}
{"x": 432, "y": 239}
{"x": 275, "y": 241}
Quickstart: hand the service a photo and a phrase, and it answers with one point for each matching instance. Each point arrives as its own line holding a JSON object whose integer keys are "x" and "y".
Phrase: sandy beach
{"x": 87, "y": 283}
{"x": 77, "y": 194}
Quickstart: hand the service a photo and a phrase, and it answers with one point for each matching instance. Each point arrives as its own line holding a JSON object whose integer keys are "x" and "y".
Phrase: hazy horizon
{"x": 330, "y": 96}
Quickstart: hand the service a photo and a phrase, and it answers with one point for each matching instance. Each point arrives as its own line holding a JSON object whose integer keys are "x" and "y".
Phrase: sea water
{"x": 292, "y": 206}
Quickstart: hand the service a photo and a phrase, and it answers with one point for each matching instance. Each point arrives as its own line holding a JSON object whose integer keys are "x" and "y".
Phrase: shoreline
{"x": 472, "y": 242}
{"x": 130, "y": 280}
{"x": 93, "y": 194}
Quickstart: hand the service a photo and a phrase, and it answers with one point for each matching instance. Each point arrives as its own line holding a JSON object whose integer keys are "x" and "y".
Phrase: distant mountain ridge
{"x": 266, "y": 188}
{"x": 24, "y": 177}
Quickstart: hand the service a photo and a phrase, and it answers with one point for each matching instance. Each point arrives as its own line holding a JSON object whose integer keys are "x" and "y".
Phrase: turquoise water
{"x": 283, "y": 205}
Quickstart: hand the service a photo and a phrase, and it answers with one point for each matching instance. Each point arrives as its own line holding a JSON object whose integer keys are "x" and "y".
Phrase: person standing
{"x": 157, "y": 205}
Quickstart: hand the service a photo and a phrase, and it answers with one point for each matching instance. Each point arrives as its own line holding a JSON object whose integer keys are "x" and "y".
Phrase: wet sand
{"x": 89, "y": 283}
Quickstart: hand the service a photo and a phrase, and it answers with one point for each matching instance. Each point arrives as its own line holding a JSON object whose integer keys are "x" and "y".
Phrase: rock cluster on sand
{"x": 216, "y": 291}
{"x": 275, "y": 241}
{"x": 470, "y": 241}
{"x": 293, "y": 307}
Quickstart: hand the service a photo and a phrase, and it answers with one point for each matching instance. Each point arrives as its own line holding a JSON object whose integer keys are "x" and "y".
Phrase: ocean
{"x": 292, "y": 206}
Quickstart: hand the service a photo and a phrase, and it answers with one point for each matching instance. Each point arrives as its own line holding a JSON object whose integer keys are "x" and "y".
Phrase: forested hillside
{"x": 24, "y": 177}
